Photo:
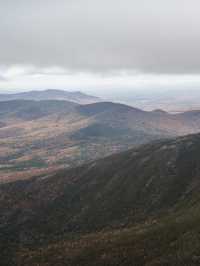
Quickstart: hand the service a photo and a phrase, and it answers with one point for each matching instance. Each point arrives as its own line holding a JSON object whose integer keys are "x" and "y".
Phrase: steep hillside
{"x": 151, "y": 190}
{"x": 123, "y": 187}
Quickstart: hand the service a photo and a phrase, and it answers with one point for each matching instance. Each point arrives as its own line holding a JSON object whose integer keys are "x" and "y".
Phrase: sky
{"x": 99, "y": 46}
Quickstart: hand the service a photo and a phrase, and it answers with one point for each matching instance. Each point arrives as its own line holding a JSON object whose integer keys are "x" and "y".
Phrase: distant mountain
{"x": 138, "y": 206}
{"x": 76, "y": 96}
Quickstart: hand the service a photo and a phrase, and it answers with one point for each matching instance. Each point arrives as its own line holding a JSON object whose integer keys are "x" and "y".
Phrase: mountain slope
{"x": 152, "y": 190}
{"x": 113, "y": 191}
{"x": 172, "y": 240}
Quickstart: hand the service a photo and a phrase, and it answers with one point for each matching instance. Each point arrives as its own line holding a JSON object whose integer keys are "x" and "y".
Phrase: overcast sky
{"x": 99, "y": 44}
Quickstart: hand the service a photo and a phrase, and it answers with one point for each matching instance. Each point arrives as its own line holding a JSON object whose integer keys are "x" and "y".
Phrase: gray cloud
{"x": 90, "y": 35}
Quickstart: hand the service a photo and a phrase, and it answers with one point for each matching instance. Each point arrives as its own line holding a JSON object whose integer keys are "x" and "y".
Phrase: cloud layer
{"x": 108, "y": 84}
{"x": 156, "y": 36}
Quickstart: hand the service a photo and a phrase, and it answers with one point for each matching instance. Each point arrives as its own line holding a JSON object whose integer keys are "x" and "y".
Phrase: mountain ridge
{"x": 50, "y": 94}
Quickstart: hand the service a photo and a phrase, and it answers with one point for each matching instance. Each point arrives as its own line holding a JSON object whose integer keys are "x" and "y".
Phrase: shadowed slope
{"x": 157, "y": 184}
{"x": 117, "y": 190}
